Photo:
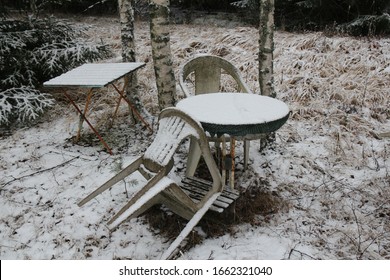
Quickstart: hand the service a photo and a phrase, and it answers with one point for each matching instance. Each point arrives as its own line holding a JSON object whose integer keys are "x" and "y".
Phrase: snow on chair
{"x": 189, "y": 202}
{"x": 207, "y": 70}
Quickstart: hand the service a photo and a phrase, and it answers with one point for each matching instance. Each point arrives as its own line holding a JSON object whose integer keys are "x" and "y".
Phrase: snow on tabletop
{"x": 233, "y": 108}
{"x": 93, "y": 74}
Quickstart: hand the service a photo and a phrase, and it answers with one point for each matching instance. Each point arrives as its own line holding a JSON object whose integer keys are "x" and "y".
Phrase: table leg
{"x": 223, "y": 160}
{"x": 116, "y": 110}
{"x": 122, "y": 96}
{"x": 246, "y": 154}
{"x": 232, "y": 155}
{"x": 89, "y": 124}
{"x": 121, "y": 93}
{"x": 83, "y": 115}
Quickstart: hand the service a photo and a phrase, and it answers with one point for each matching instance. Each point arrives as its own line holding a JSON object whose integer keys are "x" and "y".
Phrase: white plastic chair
{"x": 192, "y": 200}
{"x": 207, "y": 71}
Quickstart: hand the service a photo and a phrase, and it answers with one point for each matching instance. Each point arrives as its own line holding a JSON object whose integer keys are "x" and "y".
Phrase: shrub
{"x": 368, "y": 25}
{"x": 22, "y": 104}
{"x": 33, "y": 51}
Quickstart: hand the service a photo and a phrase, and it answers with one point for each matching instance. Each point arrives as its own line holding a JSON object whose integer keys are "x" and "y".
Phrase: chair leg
{"x": 120, "y": 176}
{"x": 194, "y": 155}
{"x": 143, "y": 197}
{"x": 188, "y": 228}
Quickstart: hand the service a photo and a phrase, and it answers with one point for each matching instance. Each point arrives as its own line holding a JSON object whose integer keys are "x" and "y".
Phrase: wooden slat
{"x": 196, "y": 192}
{"x": 206, "y": 185}
{"x": 197, "y": 189}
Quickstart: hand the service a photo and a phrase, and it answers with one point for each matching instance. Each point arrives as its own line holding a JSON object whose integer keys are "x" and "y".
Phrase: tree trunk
{"x": 266, "y": 47}
{"x": 161, "y": 52}
{"x": 126, "y": 15}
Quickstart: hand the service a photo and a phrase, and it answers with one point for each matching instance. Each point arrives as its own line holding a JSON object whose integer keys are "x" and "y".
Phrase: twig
{"x": 39, "y": 172}
{"x": 359, "y": 231}
{"x": 300, "y": 252}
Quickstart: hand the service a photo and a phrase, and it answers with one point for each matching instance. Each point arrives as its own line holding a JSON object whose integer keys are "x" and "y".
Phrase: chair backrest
{"x": 174, "y": 127}
{"x": 207, "y": 71}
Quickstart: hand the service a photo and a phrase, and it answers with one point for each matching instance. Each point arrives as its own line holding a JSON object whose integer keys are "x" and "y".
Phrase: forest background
{"x": 36, "y": 37}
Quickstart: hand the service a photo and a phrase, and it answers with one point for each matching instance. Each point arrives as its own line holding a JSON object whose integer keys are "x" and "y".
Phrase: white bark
{"x": 161, "y": 51}
{"x": 266, "y": 47}
{"x": 126, "y": 15}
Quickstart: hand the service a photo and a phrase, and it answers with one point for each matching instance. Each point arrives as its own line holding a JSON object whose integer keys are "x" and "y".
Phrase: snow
{"x": 327, "y": 164}
{"x": 234, "y": 108}
{"x": 172, "y": 131}
{"x": 93, "y": 74}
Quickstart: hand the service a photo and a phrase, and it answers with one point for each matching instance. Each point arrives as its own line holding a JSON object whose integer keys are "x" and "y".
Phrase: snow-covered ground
{"x": 329, "y": 165}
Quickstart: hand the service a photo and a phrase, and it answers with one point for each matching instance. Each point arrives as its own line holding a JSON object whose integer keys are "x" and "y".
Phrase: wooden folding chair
{"x": 190, "y": 202}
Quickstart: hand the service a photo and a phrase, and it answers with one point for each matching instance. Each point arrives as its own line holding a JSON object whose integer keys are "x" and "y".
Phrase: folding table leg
{"x": 82, "y": 116}
{"x": 122, "y": 96}
{"x": 116, "y": 110}
{"x": 89, "y": 124}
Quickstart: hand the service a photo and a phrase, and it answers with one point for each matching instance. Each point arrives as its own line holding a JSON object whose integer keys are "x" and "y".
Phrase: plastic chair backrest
{"x": 174, "y": 127}
{"x": 207, "y": 71}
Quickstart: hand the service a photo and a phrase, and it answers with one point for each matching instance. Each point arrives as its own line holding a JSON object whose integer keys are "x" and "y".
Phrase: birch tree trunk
{"x": 126, "y": 15}
{"x": 161, "y": 52}
{"x": 266, "y": 47}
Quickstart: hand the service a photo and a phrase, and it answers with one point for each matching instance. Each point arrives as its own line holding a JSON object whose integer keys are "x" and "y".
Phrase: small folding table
{"x": 97, "y": 75}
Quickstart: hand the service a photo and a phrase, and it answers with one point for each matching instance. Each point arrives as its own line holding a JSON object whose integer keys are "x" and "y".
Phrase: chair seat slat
{"x": 196, "y": 189}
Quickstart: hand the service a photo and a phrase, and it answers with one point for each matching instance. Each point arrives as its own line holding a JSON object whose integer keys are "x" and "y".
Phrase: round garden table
{"x": 242, "y": 116}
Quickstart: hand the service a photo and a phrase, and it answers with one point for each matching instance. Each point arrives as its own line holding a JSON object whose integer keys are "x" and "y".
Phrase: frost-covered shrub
{"x": 316, "y": 14}
{"x": 22, "y": 104}
{"x": 368, "y": 25}
{"x": 70, "y": 6}
{"x": 3, "y": 11}
{"x": 313, "y": 14}
{"x": 34, "y": 51}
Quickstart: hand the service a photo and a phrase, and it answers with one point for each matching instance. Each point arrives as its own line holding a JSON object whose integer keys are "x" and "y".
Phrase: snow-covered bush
{"x": 242, "y": 3}
{"x": 368, "y": 25}
{"x": 319, "y": 14}
{"x": 33, "y": 51}
{"x": 22, "y": 104}
{"x": 3, "y": 11}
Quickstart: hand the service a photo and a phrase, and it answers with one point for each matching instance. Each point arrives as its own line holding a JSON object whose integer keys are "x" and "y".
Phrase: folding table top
{"x": 94, "y": 75}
